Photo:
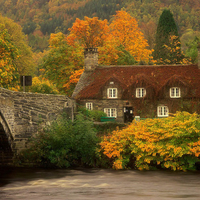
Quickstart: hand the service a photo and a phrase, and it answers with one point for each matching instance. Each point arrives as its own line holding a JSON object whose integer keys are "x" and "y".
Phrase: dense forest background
{"x": 40, "y": 18}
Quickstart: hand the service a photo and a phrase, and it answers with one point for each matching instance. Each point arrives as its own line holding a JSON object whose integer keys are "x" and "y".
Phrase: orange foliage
{"x": 126, "y": 32}
{"x": 171, "y": 142}
{"x": 123, "y": 30}
{"x": 73, "y": 79}
{"x": 90, "y": 32}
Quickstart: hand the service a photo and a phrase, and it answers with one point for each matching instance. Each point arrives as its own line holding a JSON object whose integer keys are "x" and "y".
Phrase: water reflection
{"x": 23, "y": 183}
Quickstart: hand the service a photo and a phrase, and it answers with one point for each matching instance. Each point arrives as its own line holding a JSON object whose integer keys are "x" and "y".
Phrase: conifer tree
{"x": 166, "y": 30}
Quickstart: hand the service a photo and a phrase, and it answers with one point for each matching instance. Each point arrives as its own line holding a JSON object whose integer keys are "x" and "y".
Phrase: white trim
{"x": 140, "y": 92}
{"x": 112, "y": 93}
{"x": 162, "y": 111}
{"x": 89, "y": 106}
{"x": 111, "y": 112}
{"x": 175, "y": 92}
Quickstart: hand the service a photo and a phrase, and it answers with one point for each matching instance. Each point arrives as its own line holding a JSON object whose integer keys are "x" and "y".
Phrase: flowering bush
{"x": 168, "y": 143}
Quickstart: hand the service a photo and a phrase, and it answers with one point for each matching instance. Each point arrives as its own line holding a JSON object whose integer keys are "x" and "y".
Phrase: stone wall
{"x": 25, "y": 113}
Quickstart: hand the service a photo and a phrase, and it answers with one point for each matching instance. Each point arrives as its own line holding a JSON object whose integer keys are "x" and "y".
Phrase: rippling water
{"x": 86, "y": 184}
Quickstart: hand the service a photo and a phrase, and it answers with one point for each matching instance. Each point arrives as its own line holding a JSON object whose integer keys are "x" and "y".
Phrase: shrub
{"x": 168, "y": 143}
{"x": 95, "y": 115}
{"x": 64, "y": 144}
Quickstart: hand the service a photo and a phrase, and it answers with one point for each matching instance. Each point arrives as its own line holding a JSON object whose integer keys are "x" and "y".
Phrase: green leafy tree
{"x": 24, "y": 63}
{"x": 165, "y": 30}
{"x": 124, "y": 57}
{"x": 192, "y": 50}
{"x": 61, "y": 61}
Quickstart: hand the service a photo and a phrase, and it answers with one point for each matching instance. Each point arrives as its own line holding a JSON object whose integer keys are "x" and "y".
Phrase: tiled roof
{"x": 157, "y": 76}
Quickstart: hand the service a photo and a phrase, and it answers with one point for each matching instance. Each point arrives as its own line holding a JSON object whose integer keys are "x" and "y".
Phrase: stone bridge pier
{"x": 22, "y": 114}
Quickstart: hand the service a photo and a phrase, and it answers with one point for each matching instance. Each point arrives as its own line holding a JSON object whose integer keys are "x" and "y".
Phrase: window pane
{"x": 175, "y": 92}
{"x": 140, "y": 92}
{"x": 111, "y": 112}
{"x": 89, "y": 106}
{"x": 112, "y": 93}
{"x": 172, "y": 92}
{"x": 162, "y": 111}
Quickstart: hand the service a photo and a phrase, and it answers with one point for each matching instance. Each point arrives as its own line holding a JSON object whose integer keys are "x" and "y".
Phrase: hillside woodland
{"x": 40, "y": 18}
{"x": 58, "y": 30}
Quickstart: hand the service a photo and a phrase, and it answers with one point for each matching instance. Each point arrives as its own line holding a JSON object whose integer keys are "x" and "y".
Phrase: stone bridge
{"x": 22, "y": 114}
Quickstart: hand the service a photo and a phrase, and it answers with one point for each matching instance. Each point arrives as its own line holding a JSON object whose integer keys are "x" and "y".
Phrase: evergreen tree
{"x": 167, "y": 30}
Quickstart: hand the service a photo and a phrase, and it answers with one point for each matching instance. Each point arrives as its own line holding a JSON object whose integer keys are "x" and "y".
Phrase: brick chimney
{"x": 198, "y": 56}
{"x": 91, "y": 59}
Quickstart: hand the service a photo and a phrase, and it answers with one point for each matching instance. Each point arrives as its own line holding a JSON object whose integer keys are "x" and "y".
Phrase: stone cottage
{"x": 124, "y": 92}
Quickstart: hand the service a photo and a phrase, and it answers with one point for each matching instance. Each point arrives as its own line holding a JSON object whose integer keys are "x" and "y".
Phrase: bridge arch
{"x": 6, "y": 129}
{"x": 6, "y": 142}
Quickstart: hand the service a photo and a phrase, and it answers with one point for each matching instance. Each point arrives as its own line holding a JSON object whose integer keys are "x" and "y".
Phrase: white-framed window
{"x": 111, "y": 112}
{"x": 162, "y": 111}
{"x": 89, "y": 106}
{"x": 112, "y": 93}
{"x": 175, "y": 92}
{"x": 140, "y": 92}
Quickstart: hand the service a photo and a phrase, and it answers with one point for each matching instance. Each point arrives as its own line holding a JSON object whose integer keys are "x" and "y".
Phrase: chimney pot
{"x": 91, "y": 59}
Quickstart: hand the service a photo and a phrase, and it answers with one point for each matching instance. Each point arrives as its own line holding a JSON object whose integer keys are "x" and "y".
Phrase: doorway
{"x": 128, "y": 114}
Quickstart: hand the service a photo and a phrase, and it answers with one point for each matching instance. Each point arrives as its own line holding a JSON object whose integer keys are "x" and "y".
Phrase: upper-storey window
{"x": 89, "y": 106}
{"x": 140, "y": 92}
{"x": 112, "y": 92}
{"x": 175, "y": 92}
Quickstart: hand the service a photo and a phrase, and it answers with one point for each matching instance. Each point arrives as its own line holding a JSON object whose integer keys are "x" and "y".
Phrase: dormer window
{"x": 140, "y": 92}
{"x": 112, "y": 93}
{"x": 175, "y": 92}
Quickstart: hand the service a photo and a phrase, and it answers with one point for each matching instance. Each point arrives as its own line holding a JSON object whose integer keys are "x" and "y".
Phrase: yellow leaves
{"x": 125, "y": 31}
{"x": 174, "y": 53}
{"x": 117, "y": 164}
{"x": 166, "y": 142}
{"x": 56, "y": 39}
{"x": 74, "y": 78}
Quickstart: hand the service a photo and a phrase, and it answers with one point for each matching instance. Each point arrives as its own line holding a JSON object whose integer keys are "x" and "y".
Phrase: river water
{"x": 96, "y": 184}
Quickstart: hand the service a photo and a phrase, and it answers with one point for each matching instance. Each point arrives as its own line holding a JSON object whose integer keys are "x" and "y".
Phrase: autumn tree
{"x": 124, "y": 28}
{"x": 61, "y": 62}
{"x": 167, "y": 29}
{"x": 90, "y": 32}
{"x": 9, "y": 75}
{"x": 122, "y": 32}
{"x": 174, "y": 55}
{"x": 24, "y": 63}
